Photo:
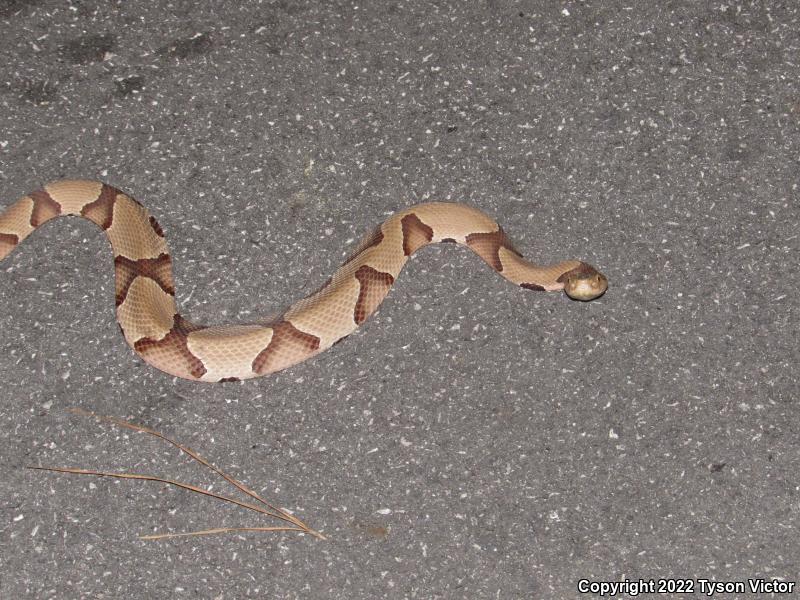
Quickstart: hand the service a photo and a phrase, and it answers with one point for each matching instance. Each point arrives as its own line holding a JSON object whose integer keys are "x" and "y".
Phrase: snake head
{"x": 584, "y": 283}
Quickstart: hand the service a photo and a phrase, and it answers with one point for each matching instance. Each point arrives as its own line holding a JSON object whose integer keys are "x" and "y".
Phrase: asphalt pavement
{"x": 472, "y": 440}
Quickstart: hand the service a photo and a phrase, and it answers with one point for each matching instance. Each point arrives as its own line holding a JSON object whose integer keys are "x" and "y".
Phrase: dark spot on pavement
{"x": 89, "y": 48}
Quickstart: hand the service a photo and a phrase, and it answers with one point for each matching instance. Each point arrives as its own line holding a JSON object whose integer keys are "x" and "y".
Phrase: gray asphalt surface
{"x": 472, "y": 440}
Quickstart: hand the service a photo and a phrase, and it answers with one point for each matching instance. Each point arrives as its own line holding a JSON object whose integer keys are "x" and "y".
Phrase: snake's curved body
{"x": 145, "y": 292}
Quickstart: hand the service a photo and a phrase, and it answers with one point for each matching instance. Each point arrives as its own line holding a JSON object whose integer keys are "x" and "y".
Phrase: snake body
{"x": 145, "y": 291}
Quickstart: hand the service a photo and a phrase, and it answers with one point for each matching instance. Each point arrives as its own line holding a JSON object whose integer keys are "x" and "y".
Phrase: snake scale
{"x": 145, "y": 291}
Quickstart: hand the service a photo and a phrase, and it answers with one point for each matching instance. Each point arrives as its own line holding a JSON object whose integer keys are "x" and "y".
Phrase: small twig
{"x": 271, "y": 510}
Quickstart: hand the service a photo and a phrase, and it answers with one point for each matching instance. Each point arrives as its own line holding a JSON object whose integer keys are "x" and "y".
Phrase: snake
{"x": 146, "y": 309}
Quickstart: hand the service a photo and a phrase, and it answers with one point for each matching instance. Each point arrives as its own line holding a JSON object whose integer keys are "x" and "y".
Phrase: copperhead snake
{"x": 145, "y": 292}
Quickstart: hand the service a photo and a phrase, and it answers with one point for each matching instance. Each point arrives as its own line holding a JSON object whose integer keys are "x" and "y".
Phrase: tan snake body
{"x": 145, "y": 292}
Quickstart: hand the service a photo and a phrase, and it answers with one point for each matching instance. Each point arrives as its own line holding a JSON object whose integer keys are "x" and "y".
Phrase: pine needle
{"x": 266, "y": 508}
{"x": 162, "y": 536}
